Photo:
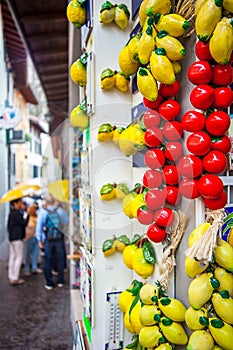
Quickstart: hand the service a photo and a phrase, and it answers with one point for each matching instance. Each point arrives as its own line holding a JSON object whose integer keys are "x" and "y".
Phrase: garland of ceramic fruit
{"x": 78, "y": 74}
{"x": 171, "y": 173}
{"x": 209, "y": 259}
{"x": 211, "y": 74}
{"x": 210, "y": 315}
{"x": 154, "y": 319}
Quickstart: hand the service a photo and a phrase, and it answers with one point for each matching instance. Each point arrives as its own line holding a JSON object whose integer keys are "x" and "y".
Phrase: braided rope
{"x": 203, "y": 249}
{"x": 168, "y": 260}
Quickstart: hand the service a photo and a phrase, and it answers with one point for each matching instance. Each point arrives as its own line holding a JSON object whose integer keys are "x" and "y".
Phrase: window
{"x": 35, "y": 171}
{"x": 21, "y": 170}
{"x": 20, "y": 102}
{"x": 13, "y": 164}
{"x": 37, "y": 147}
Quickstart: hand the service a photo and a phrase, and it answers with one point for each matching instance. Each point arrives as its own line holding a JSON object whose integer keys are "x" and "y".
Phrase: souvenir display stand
{"x": 103, "y": 278}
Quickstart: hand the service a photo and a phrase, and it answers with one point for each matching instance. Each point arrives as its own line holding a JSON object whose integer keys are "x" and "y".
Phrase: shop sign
{"x": 9, "y": 118}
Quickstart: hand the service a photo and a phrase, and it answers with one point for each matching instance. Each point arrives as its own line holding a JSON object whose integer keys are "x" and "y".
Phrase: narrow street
{"x": 31, "y": 317}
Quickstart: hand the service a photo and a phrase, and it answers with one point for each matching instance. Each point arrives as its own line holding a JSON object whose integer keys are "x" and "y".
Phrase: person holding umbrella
{"x": 16, "y": 227}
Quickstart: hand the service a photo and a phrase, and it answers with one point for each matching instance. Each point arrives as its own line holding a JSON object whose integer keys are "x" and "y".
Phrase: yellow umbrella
{"x": 60, "y": 190}
{"x": 19, "y": 191}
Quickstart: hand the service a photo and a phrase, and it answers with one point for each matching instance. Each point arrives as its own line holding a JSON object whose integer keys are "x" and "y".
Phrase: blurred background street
{"x": 31, "y": 317}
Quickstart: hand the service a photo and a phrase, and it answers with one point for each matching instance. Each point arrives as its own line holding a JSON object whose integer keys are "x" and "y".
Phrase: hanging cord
{"x": 203, "y": 249}
{"x": 168, "y": 260}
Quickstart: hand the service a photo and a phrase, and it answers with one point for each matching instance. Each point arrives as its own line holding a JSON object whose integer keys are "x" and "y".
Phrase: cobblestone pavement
{"x": 33, "y": 318}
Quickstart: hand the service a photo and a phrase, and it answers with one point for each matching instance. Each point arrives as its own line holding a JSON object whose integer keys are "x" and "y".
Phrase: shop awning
{"x": 17, "y": 54}
{"x": 43, "y": 29}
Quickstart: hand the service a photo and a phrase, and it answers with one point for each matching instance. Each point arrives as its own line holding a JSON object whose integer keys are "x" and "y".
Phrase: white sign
{"x": 9, "y": 118}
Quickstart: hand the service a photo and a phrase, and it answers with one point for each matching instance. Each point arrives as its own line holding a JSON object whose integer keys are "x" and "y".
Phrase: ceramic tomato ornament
{"x": 153, "y": 137}
{"x": 153, "y": 104}
{"x": 152, "y": 178}
{"x": 190, "y": 166}
{"x": 164, "y": 217}
{"x": 189, "y": 188}
{"x": 222, "y": 75}
{"x": 171, "y": 175}
{"x": 202, "y": 96}
{"x": 155, "y": 233}
{"x": 223, "y": 97}
{"x": 169, "y": 90}
{"x": 193, "y": 121}
{"x": 173, "y": 150}
{"x": 151, "y": 119}
{"x": 155, "y": 198}
{"x": 221, "y": 143}
{"x": 200, "y": 72}
{"x": 173, "y": 195}
{"x": 154, "y": 158}
{"x": 199, "y": 143}
{"x": 210, "y": 186}
{"x": 173, "y": 130}
{"x": 215, "y": 162}
{"x": 217, "y": 203}
{"x": 144, "y": 215}
{"x": 202, "y": 51}
{"x": 217, "y": 123}
{"x": 169, "y": 109}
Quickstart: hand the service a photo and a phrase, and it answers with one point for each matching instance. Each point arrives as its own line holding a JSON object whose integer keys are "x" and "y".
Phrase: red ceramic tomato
{"x": 153, "y": 137}
{"x": 210, "y": 186}
{"x": 222, "y": 143}
{"x": 156, "y": 234}
{"x": 154, "y": 158}
{"x": 215, "y": 162}
{"x": 217, "y": 123}
{"x": 193, "y": 121}
{"x": 222, "y": 75}
{"x": 171, "y": 175}
{"x": 202, "y": 51}
{"x": 217, "y": 203}
{"x": 151, "y": 118}
{"x": 173, "y": 195}
{"x": 169, "y": 109}
{"x": 169, "y": 90}
{"x": 189, "y": 188}
{"x": 200, "y": 72}
{"x": 164, "y": 217}
{"x": 173, "y": 150}
{"x": 153, "y": 104}
{"x": 223, "y": 97}
{"x": 199, "y": 143}
{"x": 152, "y": 178}
{"x": 190, "y": 166}
{"x": 202, "y": 96}
{"x": 173, "y": 130}
{"x": 155, "y": 198}
{"x": 145, "y": 216}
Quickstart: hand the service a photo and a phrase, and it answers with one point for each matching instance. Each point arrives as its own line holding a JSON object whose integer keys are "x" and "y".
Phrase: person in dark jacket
{"x": 16, "y": 228}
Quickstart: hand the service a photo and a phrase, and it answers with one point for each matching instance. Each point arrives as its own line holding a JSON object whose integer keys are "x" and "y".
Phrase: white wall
{"x": 52, "y": 171}
{"x": 3, "y": 147}
{"x": 109, "y": 165}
